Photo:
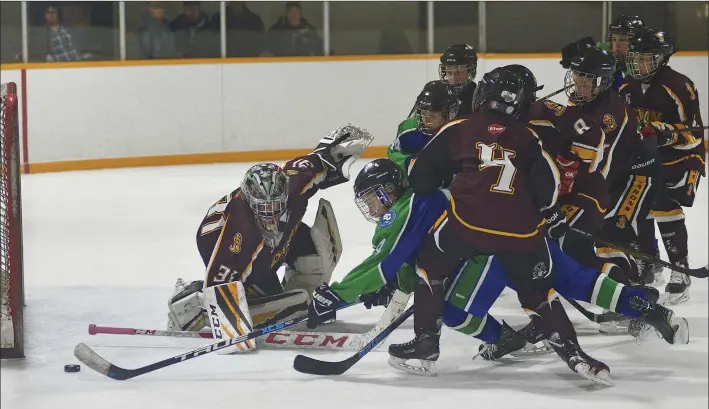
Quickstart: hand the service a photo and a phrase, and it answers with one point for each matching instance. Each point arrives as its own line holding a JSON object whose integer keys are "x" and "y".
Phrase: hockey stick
{"x": 702, "y": 272}
{"x": 313, "y": 366}
{"x": 597, "y": 318}
{"x": 94, "y": 361}
{"x": 332, "y": 341}
{"x": 559, "y": 91}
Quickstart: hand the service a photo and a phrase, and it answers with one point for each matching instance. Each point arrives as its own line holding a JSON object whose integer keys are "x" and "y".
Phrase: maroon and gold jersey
{"x": 671, "y": 98}
{"x": 231, "y": 239}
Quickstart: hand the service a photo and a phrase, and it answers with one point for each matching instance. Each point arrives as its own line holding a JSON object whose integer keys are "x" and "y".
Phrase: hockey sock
{"x": 553, "y": 319}
{"x": 674, "y": 237}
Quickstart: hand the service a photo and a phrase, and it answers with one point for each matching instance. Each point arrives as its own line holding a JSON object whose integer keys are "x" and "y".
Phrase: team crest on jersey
{"x": 622, "y": 221}
{"x": 609, "y": 122}
{"x": 558, "y": 109}
{"x": 690, "y": 90}
{"x": 236, "y": 245}
{"x": 387, "y": 219}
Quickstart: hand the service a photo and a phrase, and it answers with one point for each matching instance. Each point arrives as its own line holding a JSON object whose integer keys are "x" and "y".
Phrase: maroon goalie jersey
{"x": 231, "y": 242}
{"x": 671, "y": 98}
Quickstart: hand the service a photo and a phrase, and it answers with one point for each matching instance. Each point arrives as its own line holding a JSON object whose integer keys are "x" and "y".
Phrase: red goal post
{"x": 11, "y": 283}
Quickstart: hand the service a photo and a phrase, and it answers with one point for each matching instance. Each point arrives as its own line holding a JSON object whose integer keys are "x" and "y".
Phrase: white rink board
{"x": 105, "y": 247}
{"x": 95, "y": 113}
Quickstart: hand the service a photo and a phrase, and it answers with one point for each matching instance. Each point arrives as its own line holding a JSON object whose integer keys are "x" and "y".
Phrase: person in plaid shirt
{"x": 60, "y": 47}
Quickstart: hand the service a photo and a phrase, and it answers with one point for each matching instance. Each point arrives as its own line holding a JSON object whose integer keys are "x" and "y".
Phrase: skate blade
{"x": 603, "y": 377}
{"x": 681, "y": 330}
{"x": 427, "y": 368}
{"x": 614, "y": 327}
{"x": 532, "y": 350}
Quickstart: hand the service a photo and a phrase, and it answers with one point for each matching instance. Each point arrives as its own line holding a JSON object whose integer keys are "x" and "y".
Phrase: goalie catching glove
{"x": 338, "y": 150}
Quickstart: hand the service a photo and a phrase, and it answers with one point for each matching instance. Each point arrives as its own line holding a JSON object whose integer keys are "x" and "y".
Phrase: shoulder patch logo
{"x": 387, "y": 219}
{"x": 558, "y": 109}
{"x": 236, "y": 245}
{"x": 609, "y": 122}
{"x": 496, "y": 129}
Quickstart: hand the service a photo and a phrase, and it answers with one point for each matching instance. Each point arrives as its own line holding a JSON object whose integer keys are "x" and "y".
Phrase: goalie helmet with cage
{"x": 589, "y": 75}
{"x": 377, "y": 186}
{"x": 617, "y": 36}
{"x": 648, "y": 51}
{"x": 265, "y": 187}
{"x": 502, "y": 91}
{"x": 458, "y": 66}
{"x": 435, "y": 106}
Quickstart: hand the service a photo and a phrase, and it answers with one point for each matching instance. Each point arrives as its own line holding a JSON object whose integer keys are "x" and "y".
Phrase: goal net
{"x": 11, "y": 333}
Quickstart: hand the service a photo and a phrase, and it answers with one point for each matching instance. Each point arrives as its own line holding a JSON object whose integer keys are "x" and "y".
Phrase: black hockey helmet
{"x": 502, "y": 91}
{"x": 617, "y": 36}
{"x": 377, "y": 187}
{"x": 527, "y": 77}
{"x": 590, "y": 74}
{"x": 435, "y": 105}
{"x": 648, "y": 50}
{"x": 458, "y": 66}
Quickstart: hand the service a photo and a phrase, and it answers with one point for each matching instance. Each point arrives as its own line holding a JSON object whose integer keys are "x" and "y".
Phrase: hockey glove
{"x": 569, "y": 171}
{"x": 338, "y": 150}
{"x": 381, "y": 297}
{"x": 663, "y": 132}
{"x": 324, "y": 306}
{"x": 555, "y": 222}
{"x": 573, "y": 50}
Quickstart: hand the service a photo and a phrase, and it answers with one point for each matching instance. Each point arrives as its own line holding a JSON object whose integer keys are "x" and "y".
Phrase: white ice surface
{"x": 105, "y": 247}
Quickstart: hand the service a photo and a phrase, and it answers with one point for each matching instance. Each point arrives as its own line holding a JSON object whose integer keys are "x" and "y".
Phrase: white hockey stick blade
{"x": 91, "y": 359}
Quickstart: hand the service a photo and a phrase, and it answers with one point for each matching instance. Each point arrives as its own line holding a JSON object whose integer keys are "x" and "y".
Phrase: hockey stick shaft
{"x": 702, "y": 272}
{"x": 91, "y": 359}
{"x": 313, "y": 366}
{"x": 559, "y": 91}
{"x": 96, "y": 329}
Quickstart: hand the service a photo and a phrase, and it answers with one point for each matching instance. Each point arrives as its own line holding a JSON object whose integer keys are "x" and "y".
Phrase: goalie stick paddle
{"x": 702, "y": 272}
{"x": 94, "y": 361}
{"x": 314, "y": 366}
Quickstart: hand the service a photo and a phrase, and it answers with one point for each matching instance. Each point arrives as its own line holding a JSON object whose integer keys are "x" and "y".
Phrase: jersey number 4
{"x": 498, "y": 157}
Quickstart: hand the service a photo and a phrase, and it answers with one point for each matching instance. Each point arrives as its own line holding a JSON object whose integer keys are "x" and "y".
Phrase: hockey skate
{"x": 424, "y": 347}
{"x": 509, "y": 341}
{"x": 580, "y": 362}
{"x": 677, "y": 288}
{"x": 652, "y": 273}
{"x": 674, "y": 330}
{"x": 535, "y": 342}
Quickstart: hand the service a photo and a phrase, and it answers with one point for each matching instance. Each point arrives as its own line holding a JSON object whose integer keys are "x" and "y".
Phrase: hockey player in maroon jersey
{"x": 457, "y": 68}
{"x": 503, "y": 194}
{"x": 247, "y": 235}
{"x": 667, "y": 101}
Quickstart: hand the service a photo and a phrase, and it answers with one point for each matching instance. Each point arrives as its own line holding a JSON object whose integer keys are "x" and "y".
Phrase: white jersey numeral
{"x": 218, "y": 208}
{"x": 496, "y": 156}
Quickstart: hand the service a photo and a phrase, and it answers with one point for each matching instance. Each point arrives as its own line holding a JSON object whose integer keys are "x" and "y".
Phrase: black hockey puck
{"x": 72, "y": 368}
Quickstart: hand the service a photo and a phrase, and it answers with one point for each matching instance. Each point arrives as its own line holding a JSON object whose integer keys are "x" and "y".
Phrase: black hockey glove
{"x": 381, "y": 297}
{"x": 324, "y": 306}
{"x": 573, "y": 50}
{"x": 556, "y": 222}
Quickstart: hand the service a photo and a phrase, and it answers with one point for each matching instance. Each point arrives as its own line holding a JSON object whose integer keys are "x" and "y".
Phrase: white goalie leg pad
{"x": 280, "y": 307}
{"x": 229, "y": 316}
{"x": 186, "y": 307}
{"x": 312, "y": 270}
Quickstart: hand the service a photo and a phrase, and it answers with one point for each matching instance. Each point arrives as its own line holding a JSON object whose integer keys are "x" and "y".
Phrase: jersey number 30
{"x": 496, "y": 156}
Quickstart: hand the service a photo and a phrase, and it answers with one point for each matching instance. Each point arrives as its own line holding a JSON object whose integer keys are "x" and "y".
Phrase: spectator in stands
{"x": 59, "y": 42}
{"x": 292, "y": 35}
{"x": 245, "y": 30}
{"x": 156, "y": 39}
{"x": 194, "y": 33}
